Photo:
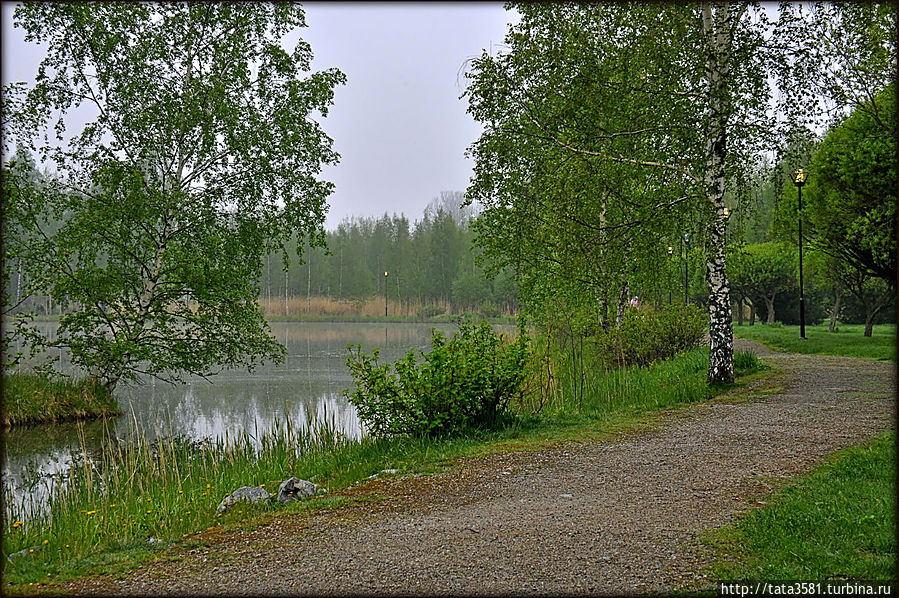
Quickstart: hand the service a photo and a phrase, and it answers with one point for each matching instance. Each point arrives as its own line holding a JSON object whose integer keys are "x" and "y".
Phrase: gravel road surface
{"x": 614, "y": 517}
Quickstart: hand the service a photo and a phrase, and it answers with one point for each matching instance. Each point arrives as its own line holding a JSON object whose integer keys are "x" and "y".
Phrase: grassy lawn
{"x": 848, "y": 340}
{"x": 32, "y": 399}
{"x": 837, "y": 523}
{"x": 168, "y": 490}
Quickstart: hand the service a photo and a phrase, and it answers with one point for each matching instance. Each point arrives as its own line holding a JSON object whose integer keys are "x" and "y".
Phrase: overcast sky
{"x": 398, "y": 123}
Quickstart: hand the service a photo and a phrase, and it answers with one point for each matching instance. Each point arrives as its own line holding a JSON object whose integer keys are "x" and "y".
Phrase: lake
{"x": 308, "y": 384}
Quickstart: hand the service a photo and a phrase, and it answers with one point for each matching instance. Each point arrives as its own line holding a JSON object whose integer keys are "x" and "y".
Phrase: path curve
{"x": 610, "y": 517}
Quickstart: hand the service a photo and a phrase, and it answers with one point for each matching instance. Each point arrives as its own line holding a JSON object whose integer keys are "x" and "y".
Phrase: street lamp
{"x": 799, "y": 177}
{"x": 686, "y": 268}
{"x": 385, "y": 293}
{"x": 727, "y": 214}
{"x": 670, "y": 253}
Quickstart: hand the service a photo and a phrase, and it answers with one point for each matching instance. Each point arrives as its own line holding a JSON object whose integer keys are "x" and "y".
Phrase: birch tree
{"x": 659, "y": 107}
{"x": 201, "y": 154}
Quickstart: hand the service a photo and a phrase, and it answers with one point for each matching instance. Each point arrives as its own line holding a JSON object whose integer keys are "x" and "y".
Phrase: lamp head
{"x": 799, "y": 177}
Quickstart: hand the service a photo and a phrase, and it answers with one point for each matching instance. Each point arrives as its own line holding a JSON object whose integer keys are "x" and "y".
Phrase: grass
{"x": 106, "y": 509}
{"x": 837, "y": 523}
{"x": 847, "y": 339}
{"x": 34, "y": 399}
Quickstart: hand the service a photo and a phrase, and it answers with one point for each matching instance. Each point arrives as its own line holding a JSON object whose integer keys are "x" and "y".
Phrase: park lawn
{"x": 35, "y": 399}
{"x": 839, "y": 522}
{"x": 847, "y": 340}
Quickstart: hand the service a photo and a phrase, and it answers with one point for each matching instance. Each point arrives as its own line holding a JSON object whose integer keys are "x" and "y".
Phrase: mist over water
{"x": 308, "y": 385}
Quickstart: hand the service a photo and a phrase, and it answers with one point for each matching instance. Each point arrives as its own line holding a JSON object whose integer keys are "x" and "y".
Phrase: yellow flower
{"x": 204, "y": 494}
{"x": 262, "y": 485}
{"x": 46, "y": 542}
{"x": 181, "y": 492}
{"x": 30, "y": 550}
{"x": 91, "y": 512}
{"x": 208, "y": 486}
{"x": 112, "y": 506}
{"x": 188, "y": 512}
{"x": 149, "y": 499}
{"x": 148, "y": 512}
{"x": 67, "y": 545}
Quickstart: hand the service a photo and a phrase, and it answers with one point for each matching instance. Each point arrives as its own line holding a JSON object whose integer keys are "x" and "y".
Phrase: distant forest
{"x": 431, "y": 266}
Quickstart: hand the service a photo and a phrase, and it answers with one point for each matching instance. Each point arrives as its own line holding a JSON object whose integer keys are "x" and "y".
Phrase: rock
{"x": 294, "y": 488}
{"x": 25, "y": 552}
{"x": 247, "y": 494}
{"x": 389, "y": 471}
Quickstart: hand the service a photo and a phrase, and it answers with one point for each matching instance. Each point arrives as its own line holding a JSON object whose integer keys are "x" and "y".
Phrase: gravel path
{"x": 611, "y": 517}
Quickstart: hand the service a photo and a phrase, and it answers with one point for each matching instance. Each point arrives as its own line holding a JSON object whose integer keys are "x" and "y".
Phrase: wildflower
{"x": 112, "y": 506}
{"x": 90, "y": 512}
{"x": 148, "y": 512}
{"x": 188, "y": 512}
{"x": 67, "y": 545}
{"x": 262, "y": 485}
{"x": 46, "y": 542}
{"x": 208, "y": 486}
{"x": 149, "y": 499}
{"x": 181, "y": 492}
{"x": 30, "y": 550}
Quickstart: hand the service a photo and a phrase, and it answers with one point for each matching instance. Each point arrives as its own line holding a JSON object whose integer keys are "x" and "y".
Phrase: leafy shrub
{"x": 464, "y": 382}
{"x": 646, "y": 336}
{"x": 429, "y": 311}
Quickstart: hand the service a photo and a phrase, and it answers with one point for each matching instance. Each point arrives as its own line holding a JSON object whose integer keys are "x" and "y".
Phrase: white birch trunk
{"x": 716, "y": 23}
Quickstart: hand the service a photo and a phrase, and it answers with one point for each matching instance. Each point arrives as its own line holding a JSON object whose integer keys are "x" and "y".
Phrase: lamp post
{"x": 385, "y": 293}
{"x": 799, "y": 177}
{"x": 727, "y": 214}
{"x": 670, "y": 285}
{"x": 686, "y": 268}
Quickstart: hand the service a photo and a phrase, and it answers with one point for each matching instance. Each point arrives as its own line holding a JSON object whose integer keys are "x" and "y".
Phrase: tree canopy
{"x": 202, "y": 154}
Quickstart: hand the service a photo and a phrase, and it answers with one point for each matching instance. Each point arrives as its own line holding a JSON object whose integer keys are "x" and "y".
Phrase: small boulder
{"x": 294, "y": 489}
{"x": 247, "y": 494}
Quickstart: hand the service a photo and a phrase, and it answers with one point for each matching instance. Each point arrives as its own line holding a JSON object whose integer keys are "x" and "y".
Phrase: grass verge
{"x": 837, "y": 523}
{"x": 847, "y": 340}
{"x": 35, "y": 399}
{"x": 115, "y": 509}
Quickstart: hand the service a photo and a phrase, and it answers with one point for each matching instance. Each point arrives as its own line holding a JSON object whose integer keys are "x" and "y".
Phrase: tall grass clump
{"x": 136, "y": 493}
{"x": 32, "y": 398}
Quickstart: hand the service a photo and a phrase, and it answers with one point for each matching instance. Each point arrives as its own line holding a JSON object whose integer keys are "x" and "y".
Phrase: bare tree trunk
{"x": 769, "y": 303}
{"x": 751, "y": 313}
{"x": 740, "y": 311}
{"x": 721, "y": 340}
{"x": 869, "y": 322}
{"x": 835, "y": 310}
{"x": 622, "y": 303}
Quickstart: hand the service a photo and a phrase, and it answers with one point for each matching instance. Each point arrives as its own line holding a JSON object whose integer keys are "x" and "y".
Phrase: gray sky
{"x": 398, "y": 123}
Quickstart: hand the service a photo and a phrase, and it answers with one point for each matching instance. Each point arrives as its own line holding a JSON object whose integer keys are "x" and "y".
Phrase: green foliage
{"x": 850, "y": 199}
{"x": 840, "y": 520}
{"x": 646, "y": 336}
{"x": 430, "y": 311}
{"x": 34, "y": 399}
{"x": 203, "y": 156}
{"x": 762, "y": 271}
{"x": 464, "y": 382}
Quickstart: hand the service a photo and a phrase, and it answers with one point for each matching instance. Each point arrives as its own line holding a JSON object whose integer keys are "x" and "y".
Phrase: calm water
{"x": 310, "y": 381}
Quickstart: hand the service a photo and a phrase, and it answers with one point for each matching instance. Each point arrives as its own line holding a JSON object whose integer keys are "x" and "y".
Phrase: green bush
{"x": 646, "y": 336}
{"x": 430, "y": 311}
{"x": 464, "y": 382}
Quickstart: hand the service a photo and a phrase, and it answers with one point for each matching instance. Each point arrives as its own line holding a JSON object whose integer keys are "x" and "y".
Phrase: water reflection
{"x": 308, "y": 384}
